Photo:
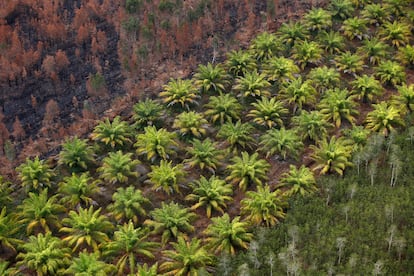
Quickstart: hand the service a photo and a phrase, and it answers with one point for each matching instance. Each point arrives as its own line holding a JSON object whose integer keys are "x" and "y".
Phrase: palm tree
{"x": 190, "y": 124}
{"x": 311, "y": 125}
{"x": 210, "y": 193}
{"x": 349, "y": 63}
{"x": 300, "y": 181}
{"x": 366, "y": 88}
{"x": 128, "y": 243}
{"x": 204, "y": 155}
{"x": 40, "y": 213}
{"x": 117, "y": 167}
{"x": 156, "y": 143}
{"x": 116, "y": 134}
{"x": 5, "y": 192}
{"x": 78, "y": 190}
{"x": 76, "y": 154}
{"x": 35, "y": 174}
{"x": 44, "y": 255}
{"x": 332, "y": 156}
{"x": 307, "y": 52}
{"x": 332, "y": 41}
{"x": 225, "y": 235}
{"x": 239, "y": 62}
{"x": 398, "y": 33}
{"x": 211, "y": 78}
{"x": 323, "y": 78}
{"x": 396, "y": 8}
{"x": 263, "y": 206}
{"x": 223, "y": 108}
{"x": 284, "y": 142}
{"x": 384, "y": 118}
{"x": 265, "y": 46}
{"x": 247, "y": 169}
{"x": 179, "y": 92}
{"x": 358, "y": 135}
{"x": 374, "y": 50}
{"x": 89, "y": 264}
{"x": 167, "y": 177}
{"x": 252, "y": 84}
{"x": 405, "y": 55}
{"x": 355, "y": 27}
{"x": 145, "y": 270}
{"x": 317, "y": 19}
{"x": 238, "y": 135}
{"x": 147, "y": 112}
{"x": 268, "y": 112}
{"x": 405, "y": 97}
{"x": 8, "y": 230}
{"x": 375, "y": 13}
{"x": 337, "y": 105}
{"x": 171, "y": 221}
{"x": 86, "y": 228}
{"x": 298, "y": 93}
{"x": 390, "y": 72}
{"x": 280, "y": 69}
{"x": 128, "y": 204}
{"x": 187, "y": 258}
{"x": 341, "y": 9}
{"x": 292, "y": 32}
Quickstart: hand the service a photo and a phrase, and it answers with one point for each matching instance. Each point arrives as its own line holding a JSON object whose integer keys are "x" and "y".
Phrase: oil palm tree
{"x": 127, "y": 244}
{"x": 349, "y": 63}
{"x": 171, "y": 221}
{"x": 40, "y": 213}
{"x": 252, "y": 84}
{"x": 390, "y": 72}
{"x": 76, "y": 154}
{"x": 311, "y": 125}
{"x": 44, "y": 255}
{"x": 299, "y": 180}
{"x": 268, "y": 112}
{"x": 78, "y": 190}
{"x": 147, "y": 112}
{"x": 8, "y": 231}
{"x": 128, "y": 204}
{"x": 385, "y": 118}
{"x": 341, "y": 9}
{"x": 264, "y": 46}
{"x": 239, "y": 62}
{"x": 280, "y": 69}
{"x": 211, "y": 78}
{"x": 86, "y": 228}
{"x": 156, "y": 143}
{"x": 223, "y": 108}
{"x": 332, "y": 42}
{"x": 307, "y": 52}
{"x": 118, "y": 167}
{"x": 284, "y": 142}
{"x": 145, "y": 270}
{"x": 366, "y": 88}
{"x": 204, "y": 155}
{"x": 396, "y": 7}
{"x": 374, "y": 50}
{"x": 179, "y": 92}
{"x": 190, "y": 124}
{"x": 210, "y": 193}
{"x": 292, "y": 32}
{"x": 188, "y": 257}
{"x": 323, "y": 78}
{"x": 116, "y": 134}
{"x": 405, "y": 55}
{"x": 264, "y": 206}
{"x": 238, "y": 135}
{"x": 225, "y": 235}
{"x": 89, "y": 264}
{"x": 332, "y": 155}
{"x": 167, "y": 177}
{"x": 375, "y": 13}
{"x": 397, "y": 33}
{"x": 405, "y": 97}
{"x": 35, "y": 174}
{"x": 355, "y": 27}
{"x": 358, "y": 135}
{"x": 247, "y": 169}
{"x": 298, "y": 93}
{"x": 317, "y": 19}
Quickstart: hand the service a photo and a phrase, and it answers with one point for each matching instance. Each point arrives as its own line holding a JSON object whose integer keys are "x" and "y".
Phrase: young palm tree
{"x": 239, "y": 62}
{"x": 298, "y": 93}
{"x": 292, "y": 32}
{"x": 86, "y": 228}
{"x": 307, "y": 52}
{"x": 35, "y": 174}
{"x": 332, "y": 42}
{"x": 300, "y": 181}
{"x": 268, "y": 112}
{"x": 397, "y": 33}
{"x": 247, "y": 169}
{"x": 179, "y": 92}
{"x": 89, "y": 264}
{"x": 366, "y": 88}
{"x": 44, "y": 255}
{"x": 167, "y": 177}
{"x": 358, "y": 135}
{"x": 116, "y": 134}
{"x": 355, "y": 27}
{"x": 210, "y": 193}
{"x": 128, "y": 204}
{"x": 338, "y": 105}
{"x": 375, "y": 13}
{"x": 265, "y": 46}
{"x": 171, "y": 221}
{"x": 390, "y": 72}
{"x": 252, "y": 84}
{"x": 226, "y": 236}
{"x": 238, "y": 135}
{"x": 223, "y": 108}
{"x": 311, "y": 125}
{"x": 349, "y": 63}
{"x": 76, "y": 154}
{"x": 332, "y": 156}
{"x": 145, "y": 270}
{"x": 317, "y": 19}
{"x": 78, "y": 190}
{"x": 341, "y": 9}
{"x": 405, "y": 97}
{"x": 190, "y": 124}
{"x": 263, "y": 206}
{"x": 127, "y": 244}
{"x": 211, "y": 78}
{"x": 280, "y": 69}
{"x": 384, "y": 118}
{"x": 396, "y": 8}
{"x": 8, "y": 231}
{"x": 40, "y": 213}
{"x": 204, "y": 155}
{"x": 147, "y": 112}
{"x": 324, "y": 78}
{"x": 117, "y": 167}
{"x": 374, "y": 50}
{"x": 405, "y": 55}
{"x": 284, "y": 142}
{"x": 187, "y": 258}
{"x": 156, "y": 143}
